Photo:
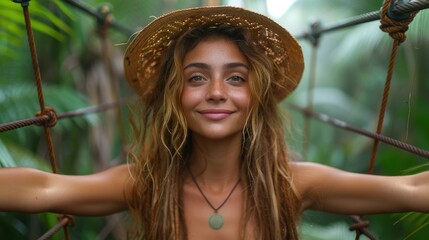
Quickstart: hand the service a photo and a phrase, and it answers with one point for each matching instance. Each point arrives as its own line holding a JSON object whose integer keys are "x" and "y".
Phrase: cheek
{"x": 190, "y": 98}
{"x": 242, "y": 98}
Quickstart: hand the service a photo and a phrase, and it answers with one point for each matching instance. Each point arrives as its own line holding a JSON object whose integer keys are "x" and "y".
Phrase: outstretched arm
{"x": 32, "y": 191}
{"x": 332, "y": 190}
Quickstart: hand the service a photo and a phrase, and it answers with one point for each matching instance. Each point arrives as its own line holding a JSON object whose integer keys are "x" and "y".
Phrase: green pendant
{"x": 216, "y": 221}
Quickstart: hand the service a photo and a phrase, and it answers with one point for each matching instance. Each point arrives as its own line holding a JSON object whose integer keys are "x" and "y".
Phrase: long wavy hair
{"x": 163, "y": 144}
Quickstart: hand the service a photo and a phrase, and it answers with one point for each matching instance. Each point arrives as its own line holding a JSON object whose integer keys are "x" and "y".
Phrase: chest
{"x": 197, "y": 212}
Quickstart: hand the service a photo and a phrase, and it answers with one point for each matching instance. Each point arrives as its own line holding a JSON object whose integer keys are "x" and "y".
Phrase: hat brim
{"x": 143, "y": 54}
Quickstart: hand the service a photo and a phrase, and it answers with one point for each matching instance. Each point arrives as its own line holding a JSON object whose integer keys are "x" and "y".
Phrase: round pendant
{"x": 216, "y": 221}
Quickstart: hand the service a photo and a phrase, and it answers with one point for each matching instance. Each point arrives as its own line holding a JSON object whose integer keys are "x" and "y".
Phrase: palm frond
{"x": 42, "y": 20}
{"x": 18, "y": 155}
{"x": 19, "y": 101}
{"x": 6, "y": 159}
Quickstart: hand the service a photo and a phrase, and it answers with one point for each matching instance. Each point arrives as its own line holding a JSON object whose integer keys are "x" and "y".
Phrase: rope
{"x": 115, "y": 25}
{"x": 38, "y": 79}
{"x": 103, "y": 27}
{"x": 311, "y": 83}
{"x": 397, "y": 9}
{"x": 50, "y": 115}
{"x": 314, "y": 40}
{"x": 45, "y": 113}
{"x": 64, "y": 221}
{"x": 42, "y": 119}
{"x": 360, "y": 226}
{"x": 47, "y": 117}
{"x": 4, "y": 127}
{"x": 396, "y": 29}
{"x": 396, "y": 26}
{"x": 341, "y": 124}
{"x": 411, "y": 6}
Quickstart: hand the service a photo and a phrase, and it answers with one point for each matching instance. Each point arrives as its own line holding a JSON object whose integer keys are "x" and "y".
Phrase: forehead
{"x": 217, "y": 49}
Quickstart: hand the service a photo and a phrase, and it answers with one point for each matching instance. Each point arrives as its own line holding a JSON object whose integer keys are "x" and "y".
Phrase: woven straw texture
{"x": 142, "y": 56}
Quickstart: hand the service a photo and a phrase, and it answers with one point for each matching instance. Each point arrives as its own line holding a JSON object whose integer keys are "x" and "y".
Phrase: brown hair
{"x": 163, "y": 145}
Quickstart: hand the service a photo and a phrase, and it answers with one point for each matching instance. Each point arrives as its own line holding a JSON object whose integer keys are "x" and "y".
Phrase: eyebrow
{"x": 207, "y": 67}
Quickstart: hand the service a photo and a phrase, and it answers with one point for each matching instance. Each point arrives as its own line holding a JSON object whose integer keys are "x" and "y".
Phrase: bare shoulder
{"x": 306, "y": 172}
{"x": 117, "y": 175}
{"x": 305, "y": 177}
{"x": 116, "y": 172}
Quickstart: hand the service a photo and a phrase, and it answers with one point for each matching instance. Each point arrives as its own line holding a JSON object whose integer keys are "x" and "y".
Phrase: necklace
{"x": 216, "y": 220}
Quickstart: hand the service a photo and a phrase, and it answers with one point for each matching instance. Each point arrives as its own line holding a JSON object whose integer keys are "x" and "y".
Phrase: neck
{"x": 216, "y": 163}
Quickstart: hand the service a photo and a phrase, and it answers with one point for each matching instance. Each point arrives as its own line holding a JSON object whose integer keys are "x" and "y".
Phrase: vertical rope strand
{"x": 107, "y": 59}
{"x": 396, "y": 27}
{"x": 310, "y": 101}
{"x": 38, "y": 79}
{"x": 314, "y": 39}
{"x": 34, "y": 59}
{"x": 383, "y": 104}
{"x": 43, "y": 110}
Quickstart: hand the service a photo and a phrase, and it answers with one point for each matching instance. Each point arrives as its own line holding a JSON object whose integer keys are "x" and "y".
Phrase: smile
{"x": 216, "y": 114}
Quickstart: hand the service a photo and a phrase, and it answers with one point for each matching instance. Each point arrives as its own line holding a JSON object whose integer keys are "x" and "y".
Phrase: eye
{"x": 236, "y": 79}
{"x": 196, "y": 78}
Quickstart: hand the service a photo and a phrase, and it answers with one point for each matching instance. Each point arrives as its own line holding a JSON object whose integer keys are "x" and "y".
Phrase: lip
{"x": 215, "y": 114}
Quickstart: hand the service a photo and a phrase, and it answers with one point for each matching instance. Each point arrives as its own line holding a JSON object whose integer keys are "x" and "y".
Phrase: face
{"x": 216, "y": 93}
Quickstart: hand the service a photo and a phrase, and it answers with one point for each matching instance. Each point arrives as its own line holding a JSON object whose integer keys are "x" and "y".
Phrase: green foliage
{"x": 350, "y": 72}
{"x": 6, "y": 159}
{"x": 337, "y": 230}
{"x": 351, "y": 69}
{"x": 42, "y": 20}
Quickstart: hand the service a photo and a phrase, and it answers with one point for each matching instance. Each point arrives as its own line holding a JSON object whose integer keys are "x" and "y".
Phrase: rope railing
{"x": 342, "y": 124}
{"x": 361, "y": 227}
{"x": 410, "y": 6}
{"x": 396, "y": 27}
{"x": 4, "y": 127}
{"x": 314, "y": 40}
{"x": 39, "y": 120}
{"x": 47, "y": 116}
{"x": 397, "y": 10}
{"x": 394, "y": 21}
{"x": 50, "y": 121}
{"x": 100, "y": 16}
{"x": 63, "y": 222}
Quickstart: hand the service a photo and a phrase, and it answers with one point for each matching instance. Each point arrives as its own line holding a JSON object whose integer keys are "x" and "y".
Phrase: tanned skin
{"x": 216, "y": 76}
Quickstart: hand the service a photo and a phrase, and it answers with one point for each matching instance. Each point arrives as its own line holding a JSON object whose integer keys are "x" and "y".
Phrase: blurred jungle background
{"x": 81, "y": 66}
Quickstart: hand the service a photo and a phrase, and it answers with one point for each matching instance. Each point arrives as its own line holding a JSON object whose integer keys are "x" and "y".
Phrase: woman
{"x": 209, "y": 160}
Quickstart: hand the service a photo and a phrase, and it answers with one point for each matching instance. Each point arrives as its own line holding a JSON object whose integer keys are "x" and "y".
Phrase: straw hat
{"x": 142, "y": 57}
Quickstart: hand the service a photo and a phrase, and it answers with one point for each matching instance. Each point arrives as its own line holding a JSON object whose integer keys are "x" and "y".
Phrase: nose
{"x": 216, "y": 91}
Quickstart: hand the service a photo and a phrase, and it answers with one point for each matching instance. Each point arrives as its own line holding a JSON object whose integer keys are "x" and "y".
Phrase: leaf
{"x": 21, "y": 156}
{"x": 6, "y": 159}
{"x": 19, "y": 101}
{"x": 65, "y": 9}
{"x": 42, "y": 20}
{"x": 48, "y": 30}
{"x": 332, "y": 231}
{"x": 48, "y": 15}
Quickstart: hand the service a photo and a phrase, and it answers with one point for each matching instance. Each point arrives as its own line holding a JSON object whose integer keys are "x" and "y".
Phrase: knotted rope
{"x": 396, "y": 27}
{"x": 63, "y": 221}
{"x": 38, "y": 79}
{"x": 360, "y": 226}
{"x": 45, "y": 112}
{"x": 50, "y": 115}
